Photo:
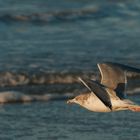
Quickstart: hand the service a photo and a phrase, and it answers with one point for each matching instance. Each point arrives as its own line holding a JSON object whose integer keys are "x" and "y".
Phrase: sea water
{"x": 58, "y": 121}
{"x": 44, "y": 46}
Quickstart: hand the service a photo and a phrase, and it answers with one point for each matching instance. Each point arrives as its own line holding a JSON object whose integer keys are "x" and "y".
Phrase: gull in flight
{"x": 109, "y": 94}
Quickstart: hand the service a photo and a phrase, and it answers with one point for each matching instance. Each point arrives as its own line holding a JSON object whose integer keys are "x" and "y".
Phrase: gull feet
{"x": 135, "y": 108}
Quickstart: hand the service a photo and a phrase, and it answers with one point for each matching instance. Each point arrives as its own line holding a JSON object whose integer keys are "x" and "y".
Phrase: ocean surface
{"x": 58, "y": 121}
{"x": 45, "y": 45}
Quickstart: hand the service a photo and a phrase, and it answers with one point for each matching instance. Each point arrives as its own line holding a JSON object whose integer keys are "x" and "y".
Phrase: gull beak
{"x": 70, "y": 101}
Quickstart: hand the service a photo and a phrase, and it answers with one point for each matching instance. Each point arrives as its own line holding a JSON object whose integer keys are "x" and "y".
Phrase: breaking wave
{"x": 19, "y": 97}
{"x": 97, "y": 12}
{"x": 18, "y": 79}
{"x": 12, "y": 79}
{"x": 52, "y": 16}
{"x": 15, "y": 97}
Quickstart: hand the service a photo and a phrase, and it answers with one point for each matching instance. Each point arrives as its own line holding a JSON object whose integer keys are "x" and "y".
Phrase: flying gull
{"x": 109, "y": 94}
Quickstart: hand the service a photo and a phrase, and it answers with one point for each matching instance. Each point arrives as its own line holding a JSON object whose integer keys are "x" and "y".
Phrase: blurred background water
{"x": 44, "y": 46}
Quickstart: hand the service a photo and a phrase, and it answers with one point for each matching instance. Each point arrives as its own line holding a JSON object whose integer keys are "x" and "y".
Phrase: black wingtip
{"x": 110, "y": 107}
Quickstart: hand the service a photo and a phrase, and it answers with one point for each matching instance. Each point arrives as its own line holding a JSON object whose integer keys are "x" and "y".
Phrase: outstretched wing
{"x": 131, "y": 72}
{"x": 113, "y": 77}
{"x": 98, "y": 90}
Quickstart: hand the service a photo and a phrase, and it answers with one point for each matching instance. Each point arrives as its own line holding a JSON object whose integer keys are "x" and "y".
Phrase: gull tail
{"x": 134, "y": 108}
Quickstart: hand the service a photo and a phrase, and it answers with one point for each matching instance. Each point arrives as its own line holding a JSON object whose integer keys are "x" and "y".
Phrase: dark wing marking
{"x": 99, "y": 91}
{"x": 113, "y": 77}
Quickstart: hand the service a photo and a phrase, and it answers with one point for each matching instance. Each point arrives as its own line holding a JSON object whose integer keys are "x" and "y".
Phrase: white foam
{"x": 134, "y": 91}
{"x": 11, "y": 96}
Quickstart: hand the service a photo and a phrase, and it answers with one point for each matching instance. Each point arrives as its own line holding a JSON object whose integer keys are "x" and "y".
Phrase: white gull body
{"x": 93, "y": 103}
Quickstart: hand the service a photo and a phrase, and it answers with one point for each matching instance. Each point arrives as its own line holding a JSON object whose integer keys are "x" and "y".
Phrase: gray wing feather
{"x": 131, "y": 72}
{"x": 113, "y": 77}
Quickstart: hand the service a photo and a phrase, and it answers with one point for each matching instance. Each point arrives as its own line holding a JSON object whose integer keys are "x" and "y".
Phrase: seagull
{"x": 108, "y": 95}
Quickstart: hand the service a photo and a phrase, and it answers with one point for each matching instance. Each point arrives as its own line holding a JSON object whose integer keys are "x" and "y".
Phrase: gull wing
{"x": 113, "y": 77}
{"x": 98, "y": 90}
{"x": 131, "y": 72}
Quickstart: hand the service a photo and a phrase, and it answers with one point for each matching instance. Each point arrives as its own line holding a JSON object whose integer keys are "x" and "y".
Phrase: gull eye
{"x": 76, "y": 99}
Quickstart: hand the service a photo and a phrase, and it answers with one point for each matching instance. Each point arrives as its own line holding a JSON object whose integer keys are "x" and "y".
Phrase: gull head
{"x": 81, "y": 99}
{"x": 71, "y": 101}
